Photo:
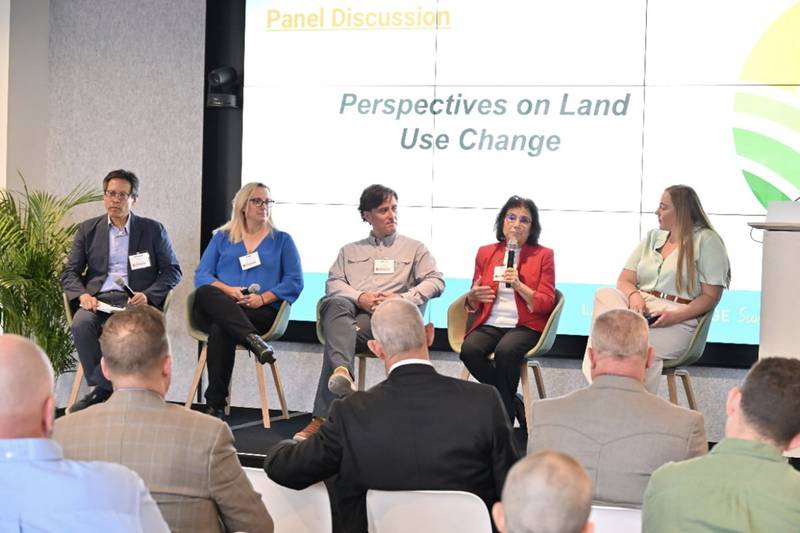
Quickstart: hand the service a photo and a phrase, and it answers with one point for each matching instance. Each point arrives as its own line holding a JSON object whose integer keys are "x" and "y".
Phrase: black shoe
{"x": 519, "y": 412}
{"x": 264, "y": 352}
{"x": 98, "y": 395}
{"x": 214, "y": 411}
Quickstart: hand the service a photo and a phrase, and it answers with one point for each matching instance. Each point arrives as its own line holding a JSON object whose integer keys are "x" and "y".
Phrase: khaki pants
{"x": 669, "y": 342}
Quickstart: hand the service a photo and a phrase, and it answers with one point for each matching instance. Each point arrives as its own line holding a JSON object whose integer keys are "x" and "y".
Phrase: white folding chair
{"x": 419, "y": 511}
{"x": 608, "y": 519}
{"x": 293, "y": 511}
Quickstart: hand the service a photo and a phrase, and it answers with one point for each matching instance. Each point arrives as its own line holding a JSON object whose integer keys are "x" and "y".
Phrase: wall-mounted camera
{"x": 223, "y": 88}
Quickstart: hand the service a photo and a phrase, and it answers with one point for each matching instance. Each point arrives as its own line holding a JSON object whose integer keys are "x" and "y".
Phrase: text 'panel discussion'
{"x": 390, "y": 266}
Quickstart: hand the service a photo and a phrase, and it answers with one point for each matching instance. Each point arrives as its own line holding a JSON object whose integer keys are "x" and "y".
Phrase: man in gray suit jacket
{"x": 616, "y": 429}
{"x": 185, "y": 458}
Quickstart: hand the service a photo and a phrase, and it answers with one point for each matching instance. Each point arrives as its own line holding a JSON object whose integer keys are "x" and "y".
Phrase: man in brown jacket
{"x": 186, "y": 459}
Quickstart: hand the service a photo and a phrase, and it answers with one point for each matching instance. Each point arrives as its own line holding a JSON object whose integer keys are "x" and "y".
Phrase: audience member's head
{"x": 545, "y": 492}
{"x": 27, "y": 406}
{"x": 136, "y": 349}
{"x": 620, "y": 345}
{"x": 399, "y": 332}
{"x": 765, "y": 408}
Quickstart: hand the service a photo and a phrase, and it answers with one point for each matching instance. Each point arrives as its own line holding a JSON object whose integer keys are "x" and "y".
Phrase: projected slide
{"x": 589, "y": 108}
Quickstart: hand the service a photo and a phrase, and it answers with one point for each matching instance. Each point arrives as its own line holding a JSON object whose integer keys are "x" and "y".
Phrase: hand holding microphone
{"x": 251, "y": 297}
{"x": 134, "y": 298}
{"x": 512, "y": 247}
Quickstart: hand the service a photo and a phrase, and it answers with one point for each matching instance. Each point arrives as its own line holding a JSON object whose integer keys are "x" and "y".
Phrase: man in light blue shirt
{"x": 40, "y": 490}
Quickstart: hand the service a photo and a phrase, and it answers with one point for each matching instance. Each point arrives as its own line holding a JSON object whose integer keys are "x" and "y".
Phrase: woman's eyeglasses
{"x": 258, "y": 202}
{"x": 511, "y": 217}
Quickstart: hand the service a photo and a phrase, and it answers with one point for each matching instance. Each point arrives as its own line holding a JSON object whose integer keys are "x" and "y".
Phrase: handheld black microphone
{"x": 124, "y": 286}
{"x": 512, "y": 248}
{"x": 254, "y": 288}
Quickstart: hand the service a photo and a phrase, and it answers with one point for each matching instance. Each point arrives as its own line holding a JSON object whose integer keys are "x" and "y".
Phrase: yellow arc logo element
{"x": 772, "y": 161}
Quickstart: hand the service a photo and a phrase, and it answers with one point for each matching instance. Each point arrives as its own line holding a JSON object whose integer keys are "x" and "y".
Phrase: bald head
{"x": 397, "y": 326}
{"x": 620, "y": 344}
{"x": 545, "y": 492}
{"x": 26, "y": 389}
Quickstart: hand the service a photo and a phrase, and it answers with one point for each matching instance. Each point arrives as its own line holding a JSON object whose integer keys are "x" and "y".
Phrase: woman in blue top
{"x": 247, "y": 270}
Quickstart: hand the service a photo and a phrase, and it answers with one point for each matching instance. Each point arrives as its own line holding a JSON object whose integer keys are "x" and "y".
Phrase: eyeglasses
{"x": 117, "y": 195}
{"x": 258, "y": 202}
{"x": 511, "y": 217}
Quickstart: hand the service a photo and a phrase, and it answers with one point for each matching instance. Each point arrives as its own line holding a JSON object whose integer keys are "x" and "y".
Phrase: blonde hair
{"x": 237, "y": 225}
{"x": 620, "y": 333}
{"x": 689, "y": 215}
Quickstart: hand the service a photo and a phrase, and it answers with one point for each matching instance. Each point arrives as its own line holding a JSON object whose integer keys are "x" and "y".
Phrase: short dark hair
{"x": 134, "y": 340}
{"x": 527, "y": 203}
{"x": 771, "y": 398}
{"x": 373, "y": 196}
{"x": 126, "y": 175}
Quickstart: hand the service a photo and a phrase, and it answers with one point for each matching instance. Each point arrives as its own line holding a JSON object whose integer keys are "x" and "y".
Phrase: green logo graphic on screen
{"x": 767, "y": 136}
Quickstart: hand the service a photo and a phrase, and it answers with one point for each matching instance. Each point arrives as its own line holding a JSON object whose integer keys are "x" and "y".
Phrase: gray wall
{"x": 126, "y": 91}
{"x": 27, "y": 115}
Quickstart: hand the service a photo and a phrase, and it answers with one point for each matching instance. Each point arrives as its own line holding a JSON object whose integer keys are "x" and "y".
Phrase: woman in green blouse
{"x": 675, "y": 275}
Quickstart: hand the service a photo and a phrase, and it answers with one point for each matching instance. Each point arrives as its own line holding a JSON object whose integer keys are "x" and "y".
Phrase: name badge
{"x": 384, "y": 266}
{"x": 249, "y": 261}
{"x": 140, "y": 260}
{"x": 498, "y": 272}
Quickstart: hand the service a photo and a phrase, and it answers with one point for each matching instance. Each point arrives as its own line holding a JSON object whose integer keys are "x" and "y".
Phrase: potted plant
{"x": 34, "y": 242}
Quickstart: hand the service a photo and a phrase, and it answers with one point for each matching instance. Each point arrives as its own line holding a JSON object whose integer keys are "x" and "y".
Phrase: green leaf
{"x": 35, "y": 240}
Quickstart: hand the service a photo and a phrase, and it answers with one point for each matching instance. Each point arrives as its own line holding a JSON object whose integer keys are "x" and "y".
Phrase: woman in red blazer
{"x": 511, "y": 304}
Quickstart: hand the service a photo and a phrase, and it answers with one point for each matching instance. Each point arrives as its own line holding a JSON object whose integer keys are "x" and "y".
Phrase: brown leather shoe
{"x": 341, "y": 383}
{"x": 309, "y": 430}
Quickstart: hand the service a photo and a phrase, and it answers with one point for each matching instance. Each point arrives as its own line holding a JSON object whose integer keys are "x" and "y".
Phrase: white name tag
{"x": 498, "y": 272}
{"x": 140, "y": 260}
{"x": 384, "y": 266}
{"x": 249, "y": 261}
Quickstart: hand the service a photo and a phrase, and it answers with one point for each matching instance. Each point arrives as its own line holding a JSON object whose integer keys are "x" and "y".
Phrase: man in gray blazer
{"x": 186, "y": 459}
{"x": 616, "y": 429}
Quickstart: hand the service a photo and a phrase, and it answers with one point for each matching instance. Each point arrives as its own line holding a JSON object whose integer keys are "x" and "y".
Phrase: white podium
{"x": 779, "y": 335}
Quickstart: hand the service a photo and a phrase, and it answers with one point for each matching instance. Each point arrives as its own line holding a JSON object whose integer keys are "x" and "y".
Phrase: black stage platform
{"x": 253, "y": 441}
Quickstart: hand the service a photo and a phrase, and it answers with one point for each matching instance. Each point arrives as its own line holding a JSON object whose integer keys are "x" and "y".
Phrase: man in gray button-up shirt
{"x": 367, "y": 272}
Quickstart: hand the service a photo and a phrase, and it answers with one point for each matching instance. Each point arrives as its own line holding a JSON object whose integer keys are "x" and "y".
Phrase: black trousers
{"x": 227, "y": 324}
{"x": 509, "y": 346}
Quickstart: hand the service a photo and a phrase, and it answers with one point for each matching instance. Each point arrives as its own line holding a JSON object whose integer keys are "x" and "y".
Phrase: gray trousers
{"x": 346, "y": 329}
{"x": 86, "y": 330}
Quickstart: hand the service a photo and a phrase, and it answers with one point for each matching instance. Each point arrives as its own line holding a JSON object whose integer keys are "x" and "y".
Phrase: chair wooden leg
{"x": 198, "y": 372}
{"x": 465, "y": 373}
{"x": 537, "y": 374}
{"x": 671, "y": 386}
{"x": 276, "y": 377}
{"x": 262, "y": 393}
{"x": 687, "y": 386}
{"x": 76, "y": 386}
{"x": 362, "y": 373}
{"x": 527, "y": 398}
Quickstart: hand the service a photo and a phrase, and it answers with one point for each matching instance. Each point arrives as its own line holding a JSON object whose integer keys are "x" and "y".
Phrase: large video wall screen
{"x": 589, "y": 108}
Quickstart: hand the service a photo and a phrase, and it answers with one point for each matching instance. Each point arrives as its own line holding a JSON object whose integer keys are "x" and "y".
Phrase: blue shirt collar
{"x": 22, "y": 450}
